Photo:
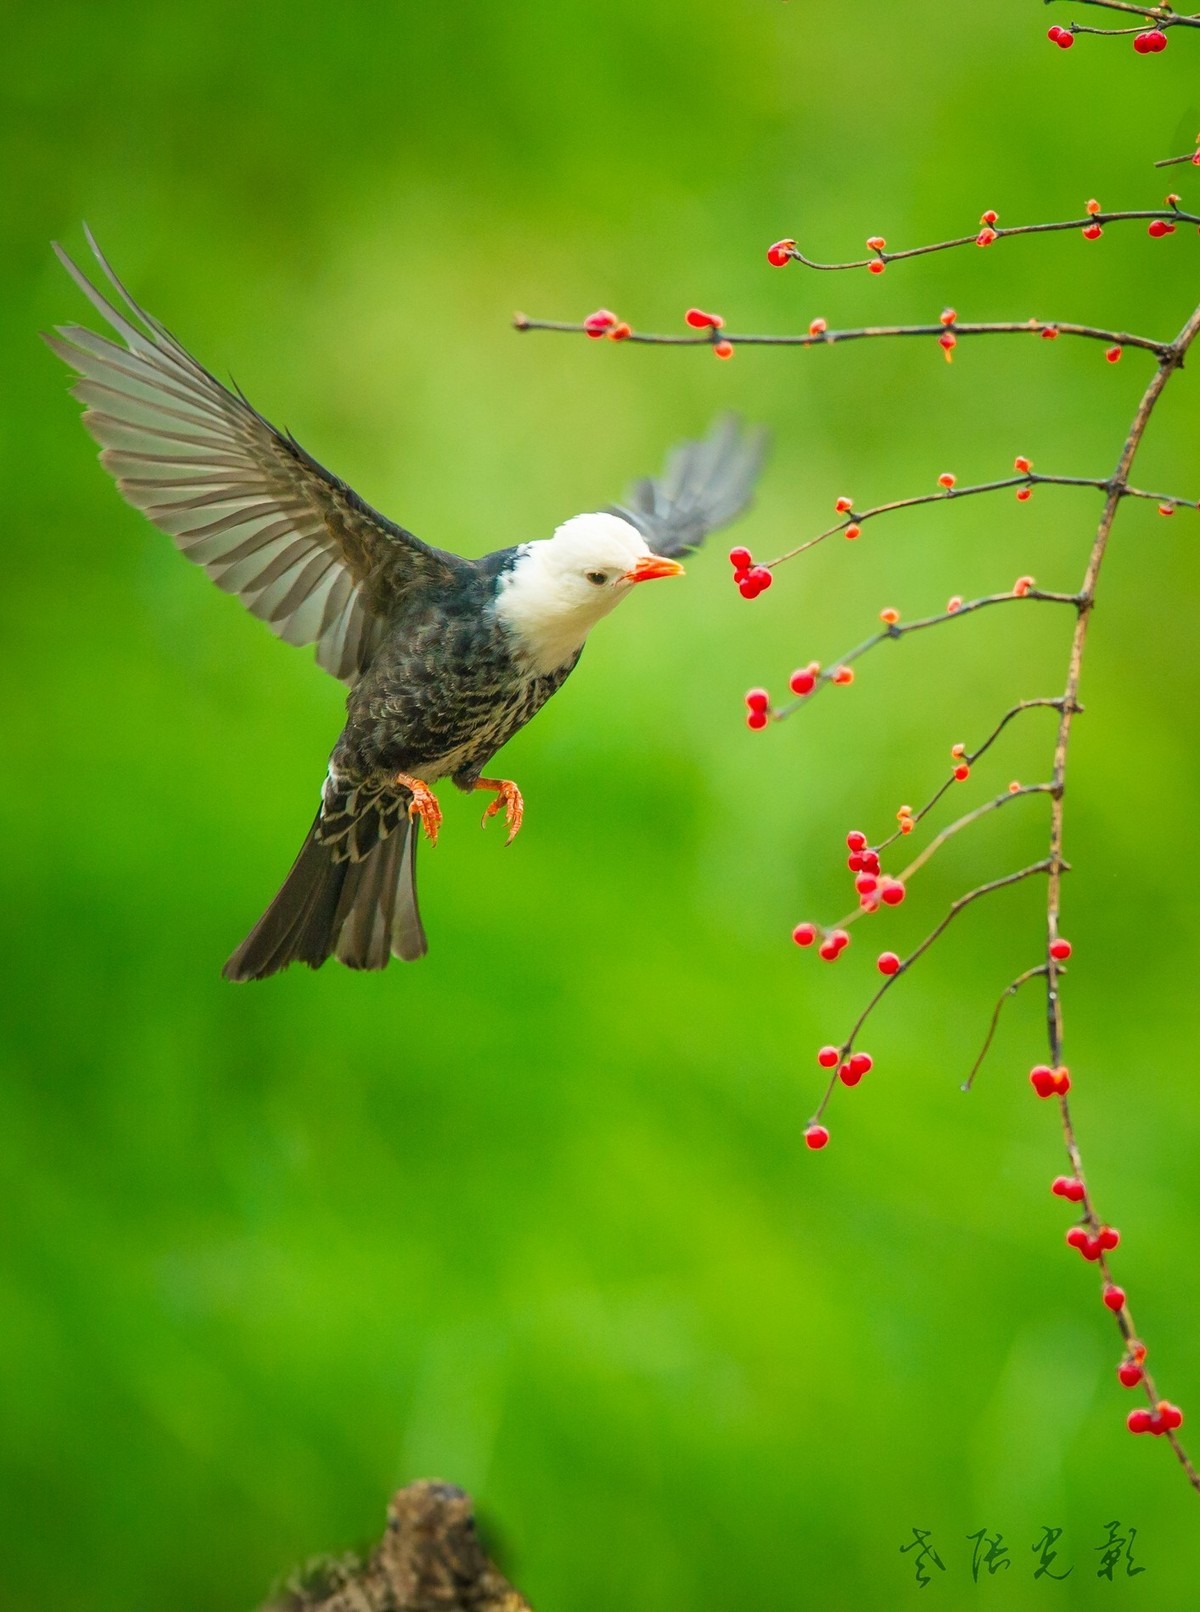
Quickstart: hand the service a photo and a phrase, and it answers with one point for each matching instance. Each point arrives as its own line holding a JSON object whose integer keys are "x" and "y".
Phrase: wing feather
{"x": 245, "y": 501}
{"x": 703, "y": 486}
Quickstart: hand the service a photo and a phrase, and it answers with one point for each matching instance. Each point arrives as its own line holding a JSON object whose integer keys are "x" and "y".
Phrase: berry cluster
{"x": 1164, "y": 1418}
{"x": 605, "y": 323}
{"x": 751, "y": 579}
{"x": 1150, "y": 43}
{"x": 758, "y": 705}
{"x": 1049, "y": 1082}
{"x": 1062, "y": 37}
{"x": 1092, "y": 1247}
{"x": 698, "y": 319}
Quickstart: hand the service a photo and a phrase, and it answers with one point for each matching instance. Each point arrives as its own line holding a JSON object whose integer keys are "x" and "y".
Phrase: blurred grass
{"x": 534, "y": 1216}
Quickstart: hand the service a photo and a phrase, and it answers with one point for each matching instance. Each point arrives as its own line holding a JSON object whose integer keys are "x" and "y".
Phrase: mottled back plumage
{"x": 446, "y": 657}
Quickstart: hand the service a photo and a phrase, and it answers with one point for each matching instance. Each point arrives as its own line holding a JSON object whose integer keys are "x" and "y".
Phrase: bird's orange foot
{"x": 423, "y": 804}
{"x": 509, "y": 797}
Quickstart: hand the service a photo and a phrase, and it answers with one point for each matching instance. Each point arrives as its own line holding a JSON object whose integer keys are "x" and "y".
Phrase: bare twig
{"x": 1008, "y": 992}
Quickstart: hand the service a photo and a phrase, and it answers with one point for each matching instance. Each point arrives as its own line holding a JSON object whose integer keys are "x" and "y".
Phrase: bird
{"x": 445, "y": 657}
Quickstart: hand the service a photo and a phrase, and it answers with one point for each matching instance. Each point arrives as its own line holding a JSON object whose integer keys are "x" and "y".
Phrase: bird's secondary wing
{"x": 301, "y": 550}
{"x": 703, "y": 485}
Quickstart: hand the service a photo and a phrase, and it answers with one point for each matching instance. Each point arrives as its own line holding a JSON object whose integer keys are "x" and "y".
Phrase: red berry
{"x": 1114, "y": 1297}
{"x": 1054, "y": 33}
{"x": 876, "y": 266}
{"x": 699, "y": 320}
{"x": 1166, "y": 509}
{"x": 740, "y": 559}
{"x": 1022, "y": 464}
{"x": 1091, "y": 1249}
{"x": 1092, "y": 232}
{"x": 889, "y": 617}
{"x": 848, "y": 1076}
{"x": 761, "y": 577}
{"x": 893, "y": 892}
{"x": 870, "y": 861}
{"x": 723, "y": 349}
{"x": 1140, "y": 44}
{"x": 876, "y": 243}
{"x": 829, "y": 951}
{"x": 985, "y": 237}
{"x": 888, "y": 963}
{"x": 843, "y": 675}
{"x": 620, "y": 332}
{"x": 748, "y": 589}
{"x": 1170, "y": 1415}
{"x": 1156, "y": 40}
{"x": 757, "y": 720}
{"x": 758, "y": 699}
{"x": 804, "y": 934}
{"x": 962, "y": 772}
{"x": 1077, "y": 1237}
{"x": 865, "y": 883}
{"x": 1062, "y": 1082}
{"x": 860, "y": 1064}
{"x": 946, "y": 480}
{"x": 816, "y": 1137}
{"x": 1075, "y": 1191}
{"x": 1024, "y": 494}
{"x": 828, "y": 1057}
{"x": 989, "y": 217}
{"x": 1159, "y": 227}
{"x": 817, "y": 327}
{"x": 1065, "y": 39}
{"x": 1050, "y": 333}
{"x": 1139, "y": 1421}
{"x": 597, "y": 323}
{"x": 779, "y": 253}
{"x": 1113, "y": 354}
{"x": 948, "y": 316}
{"x": 1060, "y": 950}
{"x": 856, "y": 840}
{"x": 802, "y": 682}
{"x": 1108, "y": 1237}
{"x": 1059, "y": 1185}
{"x": 947, "y": 341}
{"x": 1129, "y": 1373}
{"x": 954, "y": 605}
{"x": 1022, "y": 586}
{"x": 853, "y": 530}
{"x": 1041, "y": 1078}
{"x": 1092, "y": 207}
{"x": 844, "y": 505}
{"x": 840, "y": 939}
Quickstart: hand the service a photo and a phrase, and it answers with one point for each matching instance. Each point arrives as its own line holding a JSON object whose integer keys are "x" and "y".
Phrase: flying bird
{"x": 445, "y": 657}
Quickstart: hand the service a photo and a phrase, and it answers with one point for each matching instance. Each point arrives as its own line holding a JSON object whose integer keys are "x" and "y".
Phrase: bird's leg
{"x": 423, "y": 804}
{"x": 508, "y": 796}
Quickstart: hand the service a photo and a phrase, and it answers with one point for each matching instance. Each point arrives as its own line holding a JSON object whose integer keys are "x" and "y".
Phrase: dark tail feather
{"x": 361, "y": 912}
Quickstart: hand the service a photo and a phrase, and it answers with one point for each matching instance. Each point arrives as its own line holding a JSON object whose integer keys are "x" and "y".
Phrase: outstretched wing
{"x": 703, "y": 486}
{"x": 301, "y": 550}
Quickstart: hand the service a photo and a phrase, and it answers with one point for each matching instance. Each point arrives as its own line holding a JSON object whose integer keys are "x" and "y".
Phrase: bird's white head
{"x": 560, "y": 587}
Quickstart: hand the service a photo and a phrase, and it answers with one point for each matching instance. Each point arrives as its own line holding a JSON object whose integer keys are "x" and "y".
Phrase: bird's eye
{"x": 597, "y": 578}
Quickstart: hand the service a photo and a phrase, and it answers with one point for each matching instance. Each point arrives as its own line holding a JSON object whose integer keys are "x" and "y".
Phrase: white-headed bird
{"x": 445, "y": 657}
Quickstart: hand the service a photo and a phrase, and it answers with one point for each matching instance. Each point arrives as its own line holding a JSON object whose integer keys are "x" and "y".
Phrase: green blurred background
{"x": 535, "y": 1216}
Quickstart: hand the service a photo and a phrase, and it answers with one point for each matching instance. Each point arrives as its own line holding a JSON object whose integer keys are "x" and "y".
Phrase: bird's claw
{"x": 509, "y": 797}
{"x": 423, "y": 805}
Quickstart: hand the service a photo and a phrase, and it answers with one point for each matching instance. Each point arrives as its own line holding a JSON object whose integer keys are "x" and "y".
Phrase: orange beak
{"x": 651, "y": 566}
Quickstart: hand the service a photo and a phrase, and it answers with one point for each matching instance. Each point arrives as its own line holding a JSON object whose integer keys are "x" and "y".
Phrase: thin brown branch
{"x": 1188, "y": 156}
{"x": 1006, "y": 994}
{"x": 999, "y": 232}
{"x": 901, "y": 629}
{"x": 829, "y": 338}
{"x": 906, "y": 963}
{"x": 1162, "y": 15}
